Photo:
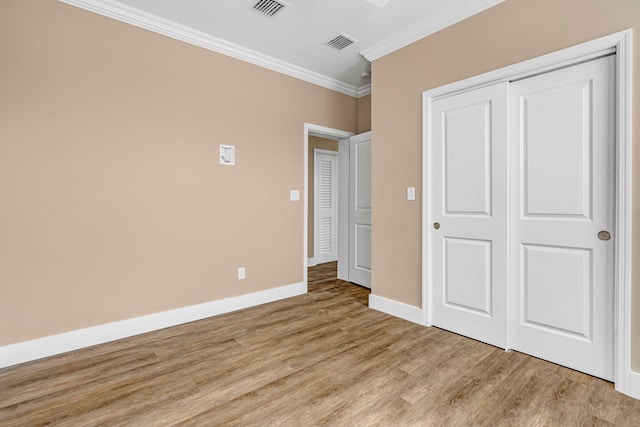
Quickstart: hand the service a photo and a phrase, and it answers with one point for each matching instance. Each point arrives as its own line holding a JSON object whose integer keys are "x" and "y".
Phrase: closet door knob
{"x": 436, "y": 225}
{"x": 604, "y": 235}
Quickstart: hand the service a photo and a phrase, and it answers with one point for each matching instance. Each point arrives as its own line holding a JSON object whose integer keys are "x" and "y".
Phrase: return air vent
{"x": 341, "y": 41}
{"x": 269, "y": 8}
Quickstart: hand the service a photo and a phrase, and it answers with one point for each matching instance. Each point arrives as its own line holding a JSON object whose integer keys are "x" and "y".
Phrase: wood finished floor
{"x": 322, "y": 358}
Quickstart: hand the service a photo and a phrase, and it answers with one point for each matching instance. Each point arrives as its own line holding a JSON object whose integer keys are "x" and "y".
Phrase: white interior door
{"x": 360, "y": 209}
{"x": 468, "y": 213}
{"x": 562, "y": 174}
{"x": 326, "y": 209}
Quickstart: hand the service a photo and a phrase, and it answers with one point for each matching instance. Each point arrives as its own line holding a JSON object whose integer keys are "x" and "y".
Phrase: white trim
{"x": 434, "y": 23}
{"x": 343, "y": 209}
{"x": 14, "y": 354}
{"x": 130, "y": 15}
{"x": 426, "y": 211}
{"x": 633, "y": 388}
{"x": 624, "y": 172}
{"x": 395, "y": 308}
{"x": 626, "y": 381}
{"x": 363, "y": 91}
{"x": 323, "y": 132}
{"x": 311, "y": 262}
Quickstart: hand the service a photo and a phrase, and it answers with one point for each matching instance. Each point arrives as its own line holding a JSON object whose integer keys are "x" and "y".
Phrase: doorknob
{"x": 436, "y": 225}
{"x": 604, "y": 235}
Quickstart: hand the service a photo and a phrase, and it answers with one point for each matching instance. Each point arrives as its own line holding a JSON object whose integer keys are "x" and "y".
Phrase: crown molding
{"x": 130, "y": 15}
{"x": 424, "y": 28}
{"x": 363, "y": 91}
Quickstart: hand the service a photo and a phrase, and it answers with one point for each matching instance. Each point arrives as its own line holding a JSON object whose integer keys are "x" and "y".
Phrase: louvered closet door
{"x": 562, "y": 158}
{"x": 326, "y": 199}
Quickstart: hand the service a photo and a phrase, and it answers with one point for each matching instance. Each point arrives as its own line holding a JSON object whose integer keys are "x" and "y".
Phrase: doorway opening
{"x": 320, "y": 134}
{"x": 352, "y": 218}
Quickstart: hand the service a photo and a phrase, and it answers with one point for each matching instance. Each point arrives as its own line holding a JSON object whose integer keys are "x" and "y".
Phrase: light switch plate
{"x": 294, "y": 195}
{"x": 227, "y": 155}
{"x": 411, "y": 193}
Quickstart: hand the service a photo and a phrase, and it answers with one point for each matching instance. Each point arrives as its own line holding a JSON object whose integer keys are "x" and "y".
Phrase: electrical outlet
{"x": 241, "y": 273}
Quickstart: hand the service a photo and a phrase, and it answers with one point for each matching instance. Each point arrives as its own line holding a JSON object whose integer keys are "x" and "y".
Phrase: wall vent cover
{"x": 269, "y": 8}
{"x": 340, "y": 41}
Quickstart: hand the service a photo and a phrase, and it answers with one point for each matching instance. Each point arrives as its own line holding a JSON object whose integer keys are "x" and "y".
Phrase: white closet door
{"x": 326, "y": 201}
{"x": 360, "y": 209}
{"x": 468, "y": 204}
{"x": 562, "y": 182}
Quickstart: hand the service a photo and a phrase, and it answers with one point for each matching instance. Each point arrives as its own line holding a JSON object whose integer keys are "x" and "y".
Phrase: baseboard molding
{"x": 395, "y": 308}
{"x": 634, "y": 385}
{"x": 14, "y": 354}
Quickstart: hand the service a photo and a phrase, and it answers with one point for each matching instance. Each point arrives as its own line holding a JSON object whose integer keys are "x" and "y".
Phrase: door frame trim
{"x": 311, "y": 129}
{"x": 626, "y": 381}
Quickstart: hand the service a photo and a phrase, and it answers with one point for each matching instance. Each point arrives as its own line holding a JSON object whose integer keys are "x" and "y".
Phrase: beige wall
{"x": 364, "y": 114}
{"x": 323, "y": 144}
{"x": 506, "y": 34}
{"x": 113, "y": 203}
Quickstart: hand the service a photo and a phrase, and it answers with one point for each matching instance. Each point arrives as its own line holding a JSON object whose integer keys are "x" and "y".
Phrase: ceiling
{"x": 294, "y": 41}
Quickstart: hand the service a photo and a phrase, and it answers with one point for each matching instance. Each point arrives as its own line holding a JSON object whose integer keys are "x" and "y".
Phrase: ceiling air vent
{"x": 269, "y": 8}
{"x": 341, "y": 41}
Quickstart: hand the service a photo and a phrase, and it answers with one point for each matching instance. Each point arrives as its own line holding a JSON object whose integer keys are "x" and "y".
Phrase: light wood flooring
{"x": 323, "y": 358}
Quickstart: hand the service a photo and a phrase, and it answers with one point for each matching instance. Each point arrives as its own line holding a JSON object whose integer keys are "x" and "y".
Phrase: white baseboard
{"x": 634, "y": 385}
{"x": 14, "y": 354}
{"x": 395, "y": 308}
